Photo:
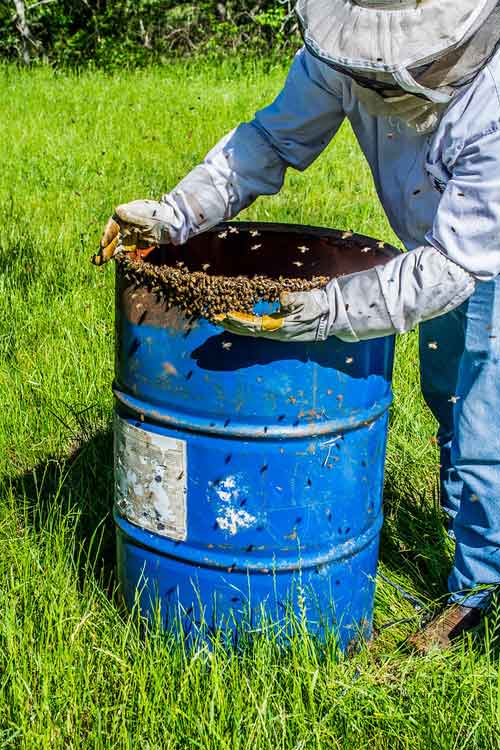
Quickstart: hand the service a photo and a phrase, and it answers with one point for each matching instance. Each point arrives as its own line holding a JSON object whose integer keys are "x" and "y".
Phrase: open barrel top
{"x": 275, "y": 251}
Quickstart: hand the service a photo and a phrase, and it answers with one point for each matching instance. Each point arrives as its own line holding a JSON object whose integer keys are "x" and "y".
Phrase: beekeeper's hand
{"x": 139, "y": 224}
{"x": 300, "y": 318}
{"x": 384, "y": 300}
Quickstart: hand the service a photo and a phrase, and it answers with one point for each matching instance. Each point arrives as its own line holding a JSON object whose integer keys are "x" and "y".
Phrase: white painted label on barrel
{"x": 151, "y": 480}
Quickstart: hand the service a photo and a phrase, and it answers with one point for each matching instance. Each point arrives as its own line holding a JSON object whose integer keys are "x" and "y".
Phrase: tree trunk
{"x": 27, "y": 40}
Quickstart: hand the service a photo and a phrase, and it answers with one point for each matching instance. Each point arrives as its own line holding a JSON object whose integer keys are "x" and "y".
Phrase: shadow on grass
{"x": 81, "y": 486}
{"x": 414, "y": 540}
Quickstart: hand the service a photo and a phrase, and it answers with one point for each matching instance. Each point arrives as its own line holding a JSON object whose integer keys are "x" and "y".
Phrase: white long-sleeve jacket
{"x": 441, "y": 191}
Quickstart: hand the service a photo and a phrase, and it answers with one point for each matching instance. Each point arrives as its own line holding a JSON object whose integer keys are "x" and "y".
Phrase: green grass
{"x": 74, "y": 669}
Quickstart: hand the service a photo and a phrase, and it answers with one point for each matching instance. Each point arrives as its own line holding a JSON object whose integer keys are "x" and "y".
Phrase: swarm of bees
{"x": 204, "y": 294}
{"x": 200, "y": 294}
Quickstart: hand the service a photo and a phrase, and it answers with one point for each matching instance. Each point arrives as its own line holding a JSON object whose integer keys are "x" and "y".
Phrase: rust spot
{"x": 169, "y": 368}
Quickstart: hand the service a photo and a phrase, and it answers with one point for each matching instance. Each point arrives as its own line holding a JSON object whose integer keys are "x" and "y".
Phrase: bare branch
{"x": 40, "y": 2}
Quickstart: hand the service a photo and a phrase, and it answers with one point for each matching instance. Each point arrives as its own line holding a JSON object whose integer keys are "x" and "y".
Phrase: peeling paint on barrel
{"x": 150, "y": 480}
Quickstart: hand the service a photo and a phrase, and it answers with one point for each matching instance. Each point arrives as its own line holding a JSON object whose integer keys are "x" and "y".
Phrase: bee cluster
{"x": 200, "y": 295}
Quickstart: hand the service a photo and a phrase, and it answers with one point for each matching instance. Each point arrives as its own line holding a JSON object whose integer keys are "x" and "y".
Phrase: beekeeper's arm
{"x": 248, "y": 162}
{"x": 463, "y": 250}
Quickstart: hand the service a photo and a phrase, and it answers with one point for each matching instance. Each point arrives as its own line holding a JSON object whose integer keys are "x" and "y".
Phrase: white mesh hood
{"x": 388, "y": 36}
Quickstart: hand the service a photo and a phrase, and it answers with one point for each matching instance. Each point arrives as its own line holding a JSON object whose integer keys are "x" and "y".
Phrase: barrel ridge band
{"x": 213, "y": 426}
{"x": 217, "y": 558}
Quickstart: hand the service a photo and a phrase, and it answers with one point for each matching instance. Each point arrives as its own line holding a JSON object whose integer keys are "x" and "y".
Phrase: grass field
{"x": 74, "y": 670}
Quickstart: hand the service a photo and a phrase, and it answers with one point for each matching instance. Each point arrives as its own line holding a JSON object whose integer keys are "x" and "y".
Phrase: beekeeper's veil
{"x": 403, "y": 49}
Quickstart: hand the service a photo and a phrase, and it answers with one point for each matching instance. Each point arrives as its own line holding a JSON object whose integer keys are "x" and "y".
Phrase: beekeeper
{"x": 419, "y": 82}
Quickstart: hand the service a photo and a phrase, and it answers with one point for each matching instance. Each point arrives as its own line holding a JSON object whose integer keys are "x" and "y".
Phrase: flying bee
{"x": 303, "y": 249}
{"x": 206, "y": 266}
{"x": 349, "y": 360}
{"x": 365, "y": 249}
{"x": 346, "y": 235}
{"x": 222, "y": 235}
{"x": 297, "y": 263}
{"x": 226, "y": 345}
{"x": 432, "y": 345}
{"x": 254, "y": 233}
{"x": 234, "y": 230}
{"x": 255, "y": 247}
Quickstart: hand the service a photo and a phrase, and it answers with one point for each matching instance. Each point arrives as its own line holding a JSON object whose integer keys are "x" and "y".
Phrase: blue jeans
{"x": 461, "y": 385}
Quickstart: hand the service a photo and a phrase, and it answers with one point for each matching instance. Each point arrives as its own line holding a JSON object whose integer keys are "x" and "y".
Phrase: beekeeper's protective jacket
{"x": 440, "y": 191}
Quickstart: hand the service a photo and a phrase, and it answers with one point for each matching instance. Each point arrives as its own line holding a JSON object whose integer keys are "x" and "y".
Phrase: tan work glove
{"x": 136, "y": 226}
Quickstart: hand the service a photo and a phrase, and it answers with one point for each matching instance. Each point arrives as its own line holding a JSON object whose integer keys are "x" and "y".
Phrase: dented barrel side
{"x": 249, "y": 473}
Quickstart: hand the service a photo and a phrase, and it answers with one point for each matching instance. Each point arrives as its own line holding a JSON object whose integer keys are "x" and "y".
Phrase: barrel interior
{"x": 253, "y": 249}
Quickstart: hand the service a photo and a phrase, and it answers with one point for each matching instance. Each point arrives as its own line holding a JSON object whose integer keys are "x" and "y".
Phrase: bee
{"x": 303, "y": 249}
{"x": 365, "y": 249}
{"x": 222, "y": 235}
{"x": 206, "y": 266}
{"x": 349, "y": 360}
{"x": 254, "y": 233}
{"x": 297, "y": 263}
{"x": 454, "y": 399}
{"x": 432, "y": 345}
{"x": 226, "y": 345}
{"x": 346, "y": 235}
{"x": 381, "y": 245}
{"x": 255, "y": 247}
{"x": 234, "y": 230}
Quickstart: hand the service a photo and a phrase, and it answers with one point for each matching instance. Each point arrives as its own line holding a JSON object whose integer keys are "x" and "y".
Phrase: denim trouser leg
{"x": 438, "y": 377}
{"x": 474, "y": 454}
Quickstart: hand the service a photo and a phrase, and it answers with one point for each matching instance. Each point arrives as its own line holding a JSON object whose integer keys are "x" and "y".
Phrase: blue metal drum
{"x": 249, "y": 473}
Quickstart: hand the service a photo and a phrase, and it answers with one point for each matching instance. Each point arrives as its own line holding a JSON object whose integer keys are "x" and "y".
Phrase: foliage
{"x": 114, "y": 33}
